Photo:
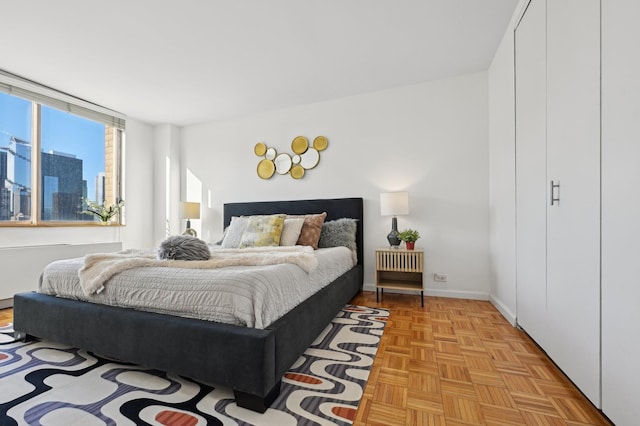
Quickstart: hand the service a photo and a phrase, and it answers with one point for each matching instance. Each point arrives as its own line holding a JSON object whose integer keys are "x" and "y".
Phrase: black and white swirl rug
{"x": 44, "y": 383}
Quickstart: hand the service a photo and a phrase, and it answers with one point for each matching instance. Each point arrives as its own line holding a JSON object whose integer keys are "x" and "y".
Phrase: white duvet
{"x": 253, "y": 296}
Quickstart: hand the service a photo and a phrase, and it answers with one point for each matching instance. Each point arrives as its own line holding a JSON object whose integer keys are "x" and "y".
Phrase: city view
{"x": 72, "y": 163}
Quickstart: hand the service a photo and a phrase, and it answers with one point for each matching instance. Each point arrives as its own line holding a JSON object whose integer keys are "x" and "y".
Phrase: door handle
{"x": 555, "y": 192}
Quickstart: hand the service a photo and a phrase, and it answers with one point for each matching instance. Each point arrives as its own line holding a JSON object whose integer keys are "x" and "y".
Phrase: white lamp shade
{"x": 189, "y": 210}
{"x": 394, "y": 203}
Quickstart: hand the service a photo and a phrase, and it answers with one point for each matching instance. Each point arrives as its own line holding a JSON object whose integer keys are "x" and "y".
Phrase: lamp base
{"x": 190, "y": 231}
{"x": 392, "y": 237}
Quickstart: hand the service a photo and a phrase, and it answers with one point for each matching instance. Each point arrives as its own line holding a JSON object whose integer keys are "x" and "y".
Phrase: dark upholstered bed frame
{"x": 251, "y": 361}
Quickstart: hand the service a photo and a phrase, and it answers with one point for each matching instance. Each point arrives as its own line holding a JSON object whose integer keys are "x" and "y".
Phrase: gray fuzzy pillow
{"x": 340, "y": 232}
{"x": 183, "y": 247}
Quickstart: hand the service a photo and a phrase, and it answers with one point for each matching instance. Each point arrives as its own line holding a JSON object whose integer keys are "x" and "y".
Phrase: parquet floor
{"x": 459, "y": 362}
{"x": 6, "y": 316}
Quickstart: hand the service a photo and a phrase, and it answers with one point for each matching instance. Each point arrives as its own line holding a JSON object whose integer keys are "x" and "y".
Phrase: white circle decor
{"x": 270, "y": 154}
{"x": 310, "y": 159}
{"x": 283, "y": 163}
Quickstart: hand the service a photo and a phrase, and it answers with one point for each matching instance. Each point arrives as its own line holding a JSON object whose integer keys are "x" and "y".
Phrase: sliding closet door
{"x": 573, "y": 163}
{"x": 531, "y": 179}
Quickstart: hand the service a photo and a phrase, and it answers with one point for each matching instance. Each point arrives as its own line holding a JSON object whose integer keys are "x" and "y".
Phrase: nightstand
{"x": 400, "y": 269}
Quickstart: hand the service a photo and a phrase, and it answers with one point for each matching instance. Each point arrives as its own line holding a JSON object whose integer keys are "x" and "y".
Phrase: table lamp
{"x": 189, "y": 211}
{"x": 394, "y": 204}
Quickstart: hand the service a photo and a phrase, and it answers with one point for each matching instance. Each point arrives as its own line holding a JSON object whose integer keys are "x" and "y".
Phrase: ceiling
{"x": 191, "y": 61}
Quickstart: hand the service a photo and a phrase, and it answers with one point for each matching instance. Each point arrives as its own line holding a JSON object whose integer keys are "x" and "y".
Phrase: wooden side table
{"x": 400, "y": 269}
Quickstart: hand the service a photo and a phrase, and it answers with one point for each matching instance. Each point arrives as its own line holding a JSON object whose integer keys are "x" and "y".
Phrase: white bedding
{"x": 253, "y": 296}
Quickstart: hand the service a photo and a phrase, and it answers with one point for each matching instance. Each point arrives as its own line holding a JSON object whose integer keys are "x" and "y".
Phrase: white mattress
{"x": 253, "y": 296}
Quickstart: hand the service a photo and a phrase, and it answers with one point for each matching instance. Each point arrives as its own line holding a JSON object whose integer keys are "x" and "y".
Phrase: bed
{"x": 251, "y": 361}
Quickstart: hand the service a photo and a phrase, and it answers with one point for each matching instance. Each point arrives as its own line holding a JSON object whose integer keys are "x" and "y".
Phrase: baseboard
{"x": 6, "y": 303}
{"x": 454, "y": 294}
{"x": 502, "y": 308}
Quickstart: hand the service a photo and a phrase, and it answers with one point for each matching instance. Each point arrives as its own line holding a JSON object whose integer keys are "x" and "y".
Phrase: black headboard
{"x": 336, "y": 208}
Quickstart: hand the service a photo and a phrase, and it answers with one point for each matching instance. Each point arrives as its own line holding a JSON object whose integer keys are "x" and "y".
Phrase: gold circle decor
{"x": 266, "y": 168}
{"x": 320, "y": 143}
{"x": 260, "y": 149}
{"x": 297, "y": 171}
{"x": 300, "y": 144}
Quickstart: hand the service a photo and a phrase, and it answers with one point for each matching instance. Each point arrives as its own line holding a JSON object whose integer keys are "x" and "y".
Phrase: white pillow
{"x": 234, "y": 232}
{"x": 291, "y": 231}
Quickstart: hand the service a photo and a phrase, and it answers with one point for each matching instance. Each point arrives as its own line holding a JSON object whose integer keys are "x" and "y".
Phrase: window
{"x": 53, "y": 156}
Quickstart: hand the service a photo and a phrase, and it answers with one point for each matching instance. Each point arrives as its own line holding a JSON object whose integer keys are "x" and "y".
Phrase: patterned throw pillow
{"x": 340, "y": 232}
{"x": 310, "y": 233}
{"x": 234, "y": 232}
{"x": 291, "y": 231}
{"x": 262, "y": 231}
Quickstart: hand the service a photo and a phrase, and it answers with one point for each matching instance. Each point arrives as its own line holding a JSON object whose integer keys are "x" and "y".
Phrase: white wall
{"x": 166, "y": 182}
{"x": 502, "y": 191}
{"x": 429, "y": 139}
{"x": 139, "y": 193}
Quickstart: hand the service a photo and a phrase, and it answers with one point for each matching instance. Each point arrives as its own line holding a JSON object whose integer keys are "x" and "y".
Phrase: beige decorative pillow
{"x": 234, "y": 232}
{"x": 291, "y": 231}
{"x": 262, "y": 231}
{"x": 310, "y": 233}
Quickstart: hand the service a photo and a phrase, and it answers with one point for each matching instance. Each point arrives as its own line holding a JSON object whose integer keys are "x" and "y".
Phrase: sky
{"x": 61, "y": 131}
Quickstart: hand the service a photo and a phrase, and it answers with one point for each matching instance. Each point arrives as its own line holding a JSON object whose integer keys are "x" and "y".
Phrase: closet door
{"x": 573, "y": 163}
{"x": 558, "y": 157}
{"x": 531, "y": 178}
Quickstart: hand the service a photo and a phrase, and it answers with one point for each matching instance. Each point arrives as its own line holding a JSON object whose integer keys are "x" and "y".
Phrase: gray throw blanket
{"x": 99, "y": 268}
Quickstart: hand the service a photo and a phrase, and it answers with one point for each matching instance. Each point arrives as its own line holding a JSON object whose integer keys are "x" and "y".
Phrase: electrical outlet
{"x": 440, "y": 278}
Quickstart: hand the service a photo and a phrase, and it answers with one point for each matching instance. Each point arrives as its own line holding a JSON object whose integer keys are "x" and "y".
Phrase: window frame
{"x": 16, "y": 86}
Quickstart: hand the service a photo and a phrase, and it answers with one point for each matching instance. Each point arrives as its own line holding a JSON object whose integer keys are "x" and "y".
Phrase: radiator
{"x": 20, "y": 267}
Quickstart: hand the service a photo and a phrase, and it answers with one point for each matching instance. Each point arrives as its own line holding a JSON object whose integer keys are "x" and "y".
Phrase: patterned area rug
{"x": 6, "y": 334}
{"x": 44, "y": 383}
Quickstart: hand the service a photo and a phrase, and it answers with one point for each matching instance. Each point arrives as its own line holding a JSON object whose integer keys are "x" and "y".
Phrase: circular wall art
{"x": 299, "y": 144}
{"x": 283, "y": 164}
{"x": 297, "y": 172}
{"x": 310, "y": 159}
{"x": 304, "y": 157}
{"x": 260, "y": 149}
{"x": 266, "y": 168}
{"x": 271, "y": 154}
{"x": 320, "y": 143}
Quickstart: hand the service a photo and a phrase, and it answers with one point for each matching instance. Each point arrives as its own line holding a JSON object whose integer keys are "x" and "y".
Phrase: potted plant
{"x": 102, "y": 212}
{"x": 409, "y": 236}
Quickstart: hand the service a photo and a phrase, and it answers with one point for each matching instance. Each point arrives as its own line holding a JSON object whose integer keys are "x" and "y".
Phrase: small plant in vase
{"x": 102, "y": 212}
{"x": 409, "y": 236}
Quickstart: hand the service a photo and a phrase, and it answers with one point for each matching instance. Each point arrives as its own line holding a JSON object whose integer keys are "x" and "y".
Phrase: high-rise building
{"x": 15, "y": 170}
{"x": 3, "y": 167}
{"x": 62, "y": 187}
{"x": 5, "y": 194}
{"x": 100, "y": 187}
{"x": 5, "y": 203}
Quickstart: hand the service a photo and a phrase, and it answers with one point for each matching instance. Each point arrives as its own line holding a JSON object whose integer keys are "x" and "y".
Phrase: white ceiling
{"x": 192, "y": 61}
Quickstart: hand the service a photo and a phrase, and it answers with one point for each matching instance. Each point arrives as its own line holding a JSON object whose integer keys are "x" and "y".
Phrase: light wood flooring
{"x": 459, "y": 362}
{"x": 6, "y": 316}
